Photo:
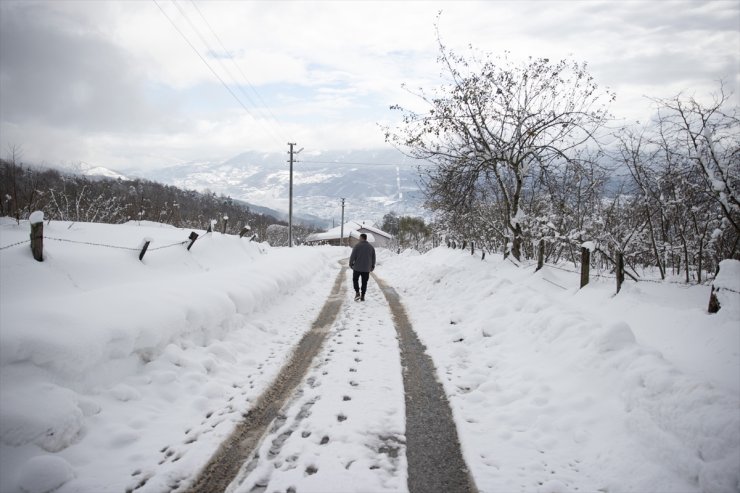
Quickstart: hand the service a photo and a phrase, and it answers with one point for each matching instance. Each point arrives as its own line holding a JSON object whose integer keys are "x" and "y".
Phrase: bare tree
{"x": 705, "y": 138}
{"x": 497, "y": 127}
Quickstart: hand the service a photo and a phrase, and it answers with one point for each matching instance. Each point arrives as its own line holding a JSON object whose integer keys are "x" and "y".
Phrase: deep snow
{"x": 117, "y": 373}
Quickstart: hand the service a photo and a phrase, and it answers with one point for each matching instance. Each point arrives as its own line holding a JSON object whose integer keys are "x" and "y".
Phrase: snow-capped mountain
{"x": 372, "y": 183}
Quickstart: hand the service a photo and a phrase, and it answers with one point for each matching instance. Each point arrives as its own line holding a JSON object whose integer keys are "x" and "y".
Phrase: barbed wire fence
{"x": 585, "y": 271}
{"x": 36, "y": 241}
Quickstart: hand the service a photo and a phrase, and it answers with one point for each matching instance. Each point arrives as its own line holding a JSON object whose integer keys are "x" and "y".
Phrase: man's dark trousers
{"x": 355, "y": 278}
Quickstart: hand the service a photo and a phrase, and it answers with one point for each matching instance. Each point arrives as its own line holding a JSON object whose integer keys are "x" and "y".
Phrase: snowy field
{"x": 120, "y": 375}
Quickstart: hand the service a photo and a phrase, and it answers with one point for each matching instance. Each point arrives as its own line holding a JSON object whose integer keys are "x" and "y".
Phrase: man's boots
{"x": 362, "y": 297}
{"x": 357, "y": 295}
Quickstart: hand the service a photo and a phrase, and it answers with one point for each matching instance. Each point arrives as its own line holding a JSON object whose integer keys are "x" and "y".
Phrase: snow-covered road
{"x": 118, "y": 374}
{"x": 344, "y": 429}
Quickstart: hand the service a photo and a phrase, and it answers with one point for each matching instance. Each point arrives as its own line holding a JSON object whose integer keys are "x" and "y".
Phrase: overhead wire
{"x": 233, "y": 79}
{"x": 213, "y": 71}
{"x": 400, "y": 165}
{"x": 244, "y": 76}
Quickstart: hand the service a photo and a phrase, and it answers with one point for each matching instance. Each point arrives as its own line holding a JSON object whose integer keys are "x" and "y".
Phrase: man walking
{"x": 362, "y": 261}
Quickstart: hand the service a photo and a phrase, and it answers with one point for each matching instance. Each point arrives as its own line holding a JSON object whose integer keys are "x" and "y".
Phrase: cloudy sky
{"x": 131, "y": 84}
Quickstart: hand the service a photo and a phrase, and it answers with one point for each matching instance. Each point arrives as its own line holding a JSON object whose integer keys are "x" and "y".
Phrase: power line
{"x": 205, "y": 62}
{"x": 275, "y": 135}
{"x": 356, "y": 163}
{"x": 223, "y": 47}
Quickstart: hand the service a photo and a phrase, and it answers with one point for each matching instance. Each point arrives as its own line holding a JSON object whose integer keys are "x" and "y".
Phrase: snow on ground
{"x": 117, "y": 373}
{"x": 344, "y": 432}
{"x": 559, "y": 389}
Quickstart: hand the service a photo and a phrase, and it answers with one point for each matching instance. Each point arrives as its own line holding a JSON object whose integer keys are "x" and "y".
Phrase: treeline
{"x": 71, "y": 197}
{"x": 527, "y": 157}
{"x": 408, "y": 232}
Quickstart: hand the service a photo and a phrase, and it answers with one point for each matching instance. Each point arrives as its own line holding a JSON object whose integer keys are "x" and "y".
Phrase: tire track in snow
{"x": 435, "y": 461}
{"x": 430, "y": 448}
{"x": 343, "y": 429}
{"x": 225, "y": 464}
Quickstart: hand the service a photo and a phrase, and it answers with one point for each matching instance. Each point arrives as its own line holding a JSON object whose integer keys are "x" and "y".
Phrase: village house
{"x": 352, "y": 231}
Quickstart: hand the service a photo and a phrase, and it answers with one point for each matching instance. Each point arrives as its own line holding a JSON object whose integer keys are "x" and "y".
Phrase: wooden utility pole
{"x": 290, "y": 193}
{"x": 290, "y": 198}
{"x": 341, "y": 234}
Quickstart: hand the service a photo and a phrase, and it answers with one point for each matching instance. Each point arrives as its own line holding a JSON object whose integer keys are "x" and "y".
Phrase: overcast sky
{"x": 115, "y": 84}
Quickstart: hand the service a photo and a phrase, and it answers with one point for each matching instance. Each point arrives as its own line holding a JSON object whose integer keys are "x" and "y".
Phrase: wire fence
{"x": 90, "y": 243}
{"x": 636, "y": 277}
{"x": 14, "y": 244}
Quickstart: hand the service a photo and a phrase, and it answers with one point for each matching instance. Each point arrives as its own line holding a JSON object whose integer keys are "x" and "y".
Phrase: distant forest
{"x": 70, "y": 197}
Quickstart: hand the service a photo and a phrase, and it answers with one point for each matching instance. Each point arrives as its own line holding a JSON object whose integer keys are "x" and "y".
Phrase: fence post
{"x": 193, "y": 236}
{"x": 472, "y": 248}
{"x": 226, "y": 220}
{"x": 585, "y": 265}
{"x": 143, "y": 248}
{"x": 37, "y": 235}
{"x": 620, "y": 270}
{"x": 540, "y": 255}
{"x": 714, "y": 305}
{"x": 244, "y": 231}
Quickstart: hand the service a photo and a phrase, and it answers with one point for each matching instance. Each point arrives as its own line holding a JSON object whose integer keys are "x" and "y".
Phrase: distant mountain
{"x": 92, "y": 171}
{"x": 373, "y": 182}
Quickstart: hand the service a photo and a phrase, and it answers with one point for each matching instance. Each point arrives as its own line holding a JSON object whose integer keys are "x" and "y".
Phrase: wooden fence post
{"x": 620, "y": 270}
{"x": 472, "y": 248}
{"x": 37, "y": 235}
{"x": 193, "y": 236}
{"x": 585, "y": 265}
{"x": 244, "y": 231}
{"x": 143, "y": 248}
{"x": 540, "y": 255}
{"x": 226, "y": 220}
{"x": 714, "y": 305}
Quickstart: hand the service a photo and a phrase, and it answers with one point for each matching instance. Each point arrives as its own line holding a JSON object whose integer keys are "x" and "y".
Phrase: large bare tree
{"x": 495, "y": 127}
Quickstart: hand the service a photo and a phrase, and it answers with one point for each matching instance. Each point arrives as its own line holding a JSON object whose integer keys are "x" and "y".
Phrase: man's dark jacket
{"x": 363, "y": 257}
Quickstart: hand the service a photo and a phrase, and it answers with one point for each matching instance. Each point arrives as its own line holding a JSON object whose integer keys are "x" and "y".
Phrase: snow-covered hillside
{"x": 118, "y": 374}
{"x": 369, "y": 181}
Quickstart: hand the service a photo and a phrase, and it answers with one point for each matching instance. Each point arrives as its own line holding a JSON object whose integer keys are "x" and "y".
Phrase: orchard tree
{"x": 496, "y": 127}
{"x": 703, "y": 139}
{"x": 390, "y": 223}
{"x": 412, "y": 232}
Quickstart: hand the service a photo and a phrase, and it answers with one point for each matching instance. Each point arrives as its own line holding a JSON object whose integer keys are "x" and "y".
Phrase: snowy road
{"x": 335, "y": 419}
{"x": 124, "y": 375}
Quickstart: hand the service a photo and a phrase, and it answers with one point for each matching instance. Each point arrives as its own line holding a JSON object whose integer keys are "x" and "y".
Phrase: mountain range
{"x": 372, "y": 182}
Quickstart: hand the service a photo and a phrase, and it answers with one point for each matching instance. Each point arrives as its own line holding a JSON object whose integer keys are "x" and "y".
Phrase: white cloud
{"x": 118, "y": 81}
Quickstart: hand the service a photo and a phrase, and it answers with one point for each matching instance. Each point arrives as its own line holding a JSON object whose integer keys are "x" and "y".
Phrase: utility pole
{"x": 290, "y": 194}
{"x": 341, "y": 235}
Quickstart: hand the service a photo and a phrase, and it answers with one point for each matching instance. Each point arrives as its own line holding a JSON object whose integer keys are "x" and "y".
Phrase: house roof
{"x": 351, "y": 228}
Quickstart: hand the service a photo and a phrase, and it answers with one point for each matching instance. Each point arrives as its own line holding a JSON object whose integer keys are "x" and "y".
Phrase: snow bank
{"x": 727, "y": 284}
{"x": 553, "y": 389}
{"x": 100, "y": 352}
{"x": 118, "y": 374}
